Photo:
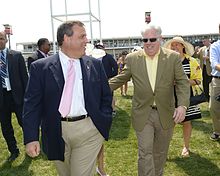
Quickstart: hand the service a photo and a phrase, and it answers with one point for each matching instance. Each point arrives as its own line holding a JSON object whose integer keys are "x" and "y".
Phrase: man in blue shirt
{"x": 215, "y": 88}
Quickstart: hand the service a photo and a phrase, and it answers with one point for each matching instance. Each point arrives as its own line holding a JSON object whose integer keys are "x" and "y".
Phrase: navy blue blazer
{"x": 18, "y": 76}
{"x": 42, "y": 99}
{"x": 35, "y": 56}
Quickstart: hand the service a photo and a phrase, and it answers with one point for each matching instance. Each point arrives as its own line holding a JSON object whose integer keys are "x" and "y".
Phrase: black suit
{"x": 110, "y": 65}
{"x": 12, "y": 101}
{"x": 35, "y": 56}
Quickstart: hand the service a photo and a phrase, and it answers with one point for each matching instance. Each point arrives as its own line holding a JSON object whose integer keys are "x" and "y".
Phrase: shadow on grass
{"x": 204, "y": 124}
{"x": 127, "y": 96}
{"x": 201, "y": 125}
{"x": 205, "y": 113}
{"x": 196, "y": 165}
{"x": 121, "y": 125}
{"x": 20, "y": 170}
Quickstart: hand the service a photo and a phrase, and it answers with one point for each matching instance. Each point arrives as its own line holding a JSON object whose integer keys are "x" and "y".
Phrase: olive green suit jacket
{"x": 208, "y": 63}
{"x": 169, "y": 71}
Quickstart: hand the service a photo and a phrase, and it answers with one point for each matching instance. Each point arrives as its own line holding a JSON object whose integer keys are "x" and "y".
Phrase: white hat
{"x": 89, "y": 48}
{"x": 98, "y": 53}
{"x": 188, "y": 46}
{"x": 136, "y": 48}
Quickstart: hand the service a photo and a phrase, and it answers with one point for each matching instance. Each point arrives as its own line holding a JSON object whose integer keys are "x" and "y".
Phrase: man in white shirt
{"x": 73, "y": 126}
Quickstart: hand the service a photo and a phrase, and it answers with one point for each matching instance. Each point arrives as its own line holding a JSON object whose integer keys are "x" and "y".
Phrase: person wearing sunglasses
{"x": 153, "y": 71}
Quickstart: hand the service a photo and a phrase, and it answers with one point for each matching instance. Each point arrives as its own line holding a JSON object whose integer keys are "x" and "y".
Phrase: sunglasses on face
{"x": 145, "y": 40}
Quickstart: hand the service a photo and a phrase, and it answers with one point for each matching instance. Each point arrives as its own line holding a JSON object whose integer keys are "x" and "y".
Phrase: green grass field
{"x": 121, "y": 149}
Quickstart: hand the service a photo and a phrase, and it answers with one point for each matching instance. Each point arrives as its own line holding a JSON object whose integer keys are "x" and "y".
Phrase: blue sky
{"x": 31, "y": 20}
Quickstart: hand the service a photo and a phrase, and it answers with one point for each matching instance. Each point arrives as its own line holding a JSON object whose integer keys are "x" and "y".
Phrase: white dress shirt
{"x": 78, "y": 103}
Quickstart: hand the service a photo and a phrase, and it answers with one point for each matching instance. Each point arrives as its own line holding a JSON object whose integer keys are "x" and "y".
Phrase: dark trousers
{"x": 206, "y": 81}
{"x": 6, "y": 120}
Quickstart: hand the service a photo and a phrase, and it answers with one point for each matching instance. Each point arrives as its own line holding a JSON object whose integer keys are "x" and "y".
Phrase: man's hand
{"x": 179, "y": 114}
{"x": 33, "y": 149}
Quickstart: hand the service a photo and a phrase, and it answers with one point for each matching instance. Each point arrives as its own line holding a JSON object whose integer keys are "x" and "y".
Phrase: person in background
{"x": 13, "y": 83}
{"x": 196, "y": 51}
{"x": 137, "y": 48}
{"x": 69, "y": 98}
{"x": 154, "y": 70}
{"x": 111, "y": 70}
{"x": 214, "y": 104}
{"x": 203, "y": 56}
{"x": 42, "y": 51}
{"x": 194, "y": 73}
{"x": 121, "y": 63}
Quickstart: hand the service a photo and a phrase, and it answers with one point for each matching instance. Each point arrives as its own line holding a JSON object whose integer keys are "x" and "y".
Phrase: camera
{"x": 217, "y": 98}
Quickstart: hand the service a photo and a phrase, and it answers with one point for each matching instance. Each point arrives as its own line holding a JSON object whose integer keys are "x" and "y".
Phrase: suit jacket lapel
{"x": 56, "y": 69}
{"x": 161, "y": 66}
{"x": 145, "y": 72}
{"x": 9, "y": 60}
{"x": 86, "y": 70}
{"x": 40, "y": 55}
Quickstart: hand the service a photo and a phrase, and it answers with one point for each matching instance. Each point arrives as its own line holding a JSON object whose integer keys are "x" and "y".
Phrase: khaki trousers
{"x": 153, "y": 144}
{"x": 82, "y": 145}
{"x": 215, "y": 105}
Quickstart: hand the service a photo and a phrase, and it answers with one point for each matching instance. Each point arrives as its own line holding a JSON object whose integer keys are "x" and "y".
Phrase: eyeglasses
{"x": 145, "y": 40}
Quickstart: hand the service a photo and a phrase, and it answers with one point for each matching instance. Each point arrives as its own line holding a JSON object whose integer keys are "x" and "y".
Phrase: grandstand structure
{"x": 115, "y": 46}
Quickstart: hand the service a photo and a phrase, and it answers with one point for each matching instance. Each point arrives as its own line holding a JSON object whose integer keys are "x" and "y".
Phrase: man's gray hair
{"x": 151, "y": 26}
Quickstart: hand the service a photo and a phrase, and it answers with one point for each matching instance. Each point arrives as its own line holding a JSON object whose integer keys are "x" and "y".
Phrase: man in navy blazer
{"x": 12, "y": 88}
{"x": 43, "y": 45}
{"x": 73, "y": 141}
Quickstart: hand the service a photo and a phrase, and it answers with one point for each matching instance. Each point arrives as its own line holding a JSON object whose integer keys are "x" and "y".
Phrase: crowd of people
{"x": 69, "y": 97}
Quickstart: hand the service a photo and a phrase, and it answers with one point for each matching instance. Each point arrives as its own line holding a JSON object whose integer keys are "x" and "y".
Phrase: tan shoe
{"x": 185, "y": 152}
{"x": 99, "y": 172}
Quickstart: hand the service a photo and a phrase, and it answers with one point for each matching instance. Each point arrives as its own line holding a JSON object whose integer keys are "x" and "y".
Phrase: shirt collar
{"x": 4, "y": 51}
{"x": 64, "y": 58}
{"x": 45, "y": 55}
{"x": 155, "y": 56}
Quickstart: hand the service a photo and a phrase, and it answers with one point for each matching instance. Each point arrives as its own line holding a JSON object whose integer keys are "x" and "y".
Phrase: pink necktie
{"x": 66, "y": 99}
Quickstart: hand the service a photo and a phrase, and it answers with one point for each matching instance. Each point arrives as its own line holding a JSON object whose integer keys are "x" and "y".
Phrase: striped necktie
{"x": 3, "y": 68}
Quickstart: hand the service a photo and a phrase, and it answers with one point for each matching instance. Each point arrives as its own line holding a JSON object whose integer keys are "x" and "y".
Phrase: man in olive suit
{"x": 154, "y": 72}
{"x": 204, "y": 57}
